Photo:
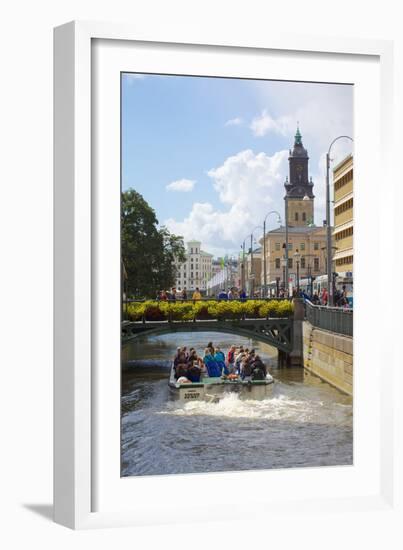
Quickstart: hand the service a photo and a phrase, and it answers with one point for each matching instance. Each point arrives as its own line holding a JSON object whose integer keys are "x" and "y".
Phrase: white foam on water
{"x": 280, "y": 407}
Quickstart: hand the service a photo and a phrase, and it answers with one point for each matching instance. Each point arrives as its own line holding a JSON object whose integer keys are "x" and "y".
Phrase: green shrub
{"x": 210, "y": 309}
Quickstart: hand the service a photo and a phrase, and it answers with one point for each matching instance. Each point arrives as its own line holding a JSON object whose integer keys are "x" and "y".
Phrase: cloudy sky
{"x": 210, "y": 155}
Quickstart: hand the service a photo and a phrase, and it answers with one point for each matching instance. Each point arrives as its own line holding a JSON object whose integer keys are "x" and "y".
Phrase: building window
{"x": 191, "y": 250}
{"x": 290, "y": 263}
{"x": 302, "y": 246}
{"x": 289, "y": 246}
{"x": 277, "y": 246}
{"x": 316, "y": 264}
{"x": 343, "y": 207}
{"x": 303, "y": 216}
{"x": 296, "y": 216}
{"x": 316, "y": 246}
{"x": 277, "y": 263}
{"x": 303, "y": 263}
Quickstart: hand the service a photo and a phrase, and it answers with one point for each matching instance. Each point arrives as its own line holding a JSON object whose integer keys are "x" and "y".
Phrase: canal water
{"x": 306, "y": 422}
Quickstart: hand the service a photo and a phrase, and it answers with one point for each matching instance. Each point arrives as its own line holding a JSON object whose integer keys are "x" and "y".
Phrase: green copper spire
{"x": 298, "y": 137}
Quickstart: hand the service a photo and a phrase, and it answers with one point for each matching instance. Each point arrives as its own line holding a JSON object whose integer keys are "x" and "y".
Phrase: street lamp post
{"x": 286, "y": 242}
{"x": 264, "y": 248}
{"x": 252, "y": 270}
{"x": 328, "y": 226}
{"x": 243, "y": 264}
{"x": 283, "y": 263}
{"x": 297, "y": 257}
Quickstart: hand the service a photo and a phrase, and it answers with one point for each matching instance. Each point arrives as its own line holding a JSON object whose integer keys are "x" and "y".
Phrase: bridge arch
{"x": 274, "y": 332}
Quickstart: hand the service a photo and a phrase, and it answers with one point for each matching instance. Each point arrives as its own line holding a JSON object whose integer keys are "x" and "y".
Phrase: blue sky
{"x": 210, "y": 154}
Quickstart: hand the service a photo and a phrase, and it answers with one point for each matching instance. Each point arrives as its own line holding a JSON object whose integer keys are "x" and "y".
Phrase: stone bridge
{"x": 277, "y": 332}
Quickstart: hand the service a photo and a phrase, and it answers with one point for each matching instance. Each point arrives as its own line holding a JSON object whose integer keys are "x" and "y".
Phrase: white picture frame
{"x": 86, "y": 494}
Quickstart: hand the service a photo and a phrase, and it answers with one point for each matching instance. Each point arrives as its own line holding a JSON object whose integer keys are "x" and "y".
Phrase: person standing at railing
{"x": 324, "y": 298}
{"x": 196, "y": 294}
{"x": 222, "y": 295}
{"x": 315, "y": 299}
{"x": 242, "y": 295}
{"x": 184, "y": 294}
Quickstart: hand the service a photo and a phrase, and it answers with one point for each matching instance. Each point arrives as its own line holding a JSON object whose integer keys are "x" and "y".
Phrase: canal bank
{"x": 329, "y": 356}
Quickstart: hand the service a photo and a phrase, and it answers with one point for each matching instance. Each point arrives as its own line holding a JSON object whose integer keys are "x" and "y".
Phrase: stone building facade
{"x": 196, "y": 271}
{"x": 343, "y": 215}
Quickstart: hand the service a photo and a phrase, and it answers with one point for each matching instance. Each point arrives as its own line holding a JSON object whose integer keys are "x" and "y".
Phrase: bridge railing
{"x": 204, "y": 299}
{"x": 334, "y": 319}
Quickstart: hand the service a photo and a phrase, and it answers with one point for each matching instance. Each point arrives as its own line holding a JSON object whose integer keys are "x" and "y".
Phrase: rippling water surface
{"x": 305, "y": 422}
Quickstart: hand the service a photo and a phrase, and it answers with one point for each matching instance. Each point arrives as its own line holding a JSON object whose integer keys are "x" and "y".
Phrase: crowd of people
{"x": 173, "y": 295}
{"x": 322, "y": 298}
{"x": 239, "y": 362}
{"x": 339, "y": 298}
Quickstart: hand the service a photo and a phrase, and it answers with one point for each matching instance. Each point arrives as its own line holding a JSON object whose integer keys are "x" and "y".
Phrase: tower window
{"x": 277, "y": 263}
{"x": 296, "y": 216}
{"x": 303, "y": 216}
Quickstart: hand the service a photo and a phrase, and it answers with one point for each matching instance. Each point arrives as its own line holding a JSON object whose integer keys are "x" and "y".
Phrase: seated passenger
{"x": 211, "y": 364}
{"x": 238, "y": 360}
{"x": 231, "y": 359}
{"x": 176, "y": 358}
{"x": 220, "y": 359}
{"x": 194, "y": 372}
{"x": 257, "y": 366}
{"x": 181, "y": 369}
{"x": 246, "y": 369}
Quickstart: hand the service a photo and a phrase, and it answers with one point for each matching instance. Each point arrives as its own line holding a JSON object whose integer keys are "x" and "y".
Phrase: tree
{"x": 148, "y": 252}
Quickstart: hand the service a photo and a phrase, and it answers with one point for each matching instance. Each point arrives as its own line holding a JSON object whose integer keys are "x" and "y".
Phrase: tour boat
{"x": 212, "y": 389}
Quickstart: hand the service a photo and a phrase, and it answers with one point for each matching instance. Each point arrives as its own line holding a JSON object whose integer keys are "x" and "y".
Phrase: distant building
{"x": 299, "y": 186}
{"x": 196, "y": 270}
{"x": 309, "y": 242}
{"x": 343, "y": 216}
{"x": 304, "y": 237}
{"x": 250, "y": 271}
{"x": 224, "y": 276}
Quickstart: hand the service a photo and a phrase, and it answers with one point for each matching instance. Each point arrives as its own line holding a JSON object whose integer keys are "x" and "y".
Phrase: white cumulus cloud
{"x": 248, "y": 185}
{"x": 265, "y": 123}
{"x": 234, "y": 121}
{"x": 183, "y": 185}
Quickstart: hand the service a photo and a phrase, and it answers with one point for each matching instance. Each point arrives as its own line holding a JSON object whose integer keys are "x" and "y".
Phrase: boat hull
{"x": 214, "y": 389}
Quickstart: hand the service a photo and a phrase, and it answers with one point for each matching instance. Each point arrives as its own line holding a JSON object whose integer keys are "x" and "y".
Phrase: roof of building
{"x": 344, "y": 161}
{"x": 301, "y": 229}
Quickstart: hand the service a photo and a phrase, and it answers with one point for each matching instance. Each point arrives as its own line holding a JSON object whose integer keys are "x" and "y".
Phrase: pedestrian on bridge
{"x": 196, "y": 294}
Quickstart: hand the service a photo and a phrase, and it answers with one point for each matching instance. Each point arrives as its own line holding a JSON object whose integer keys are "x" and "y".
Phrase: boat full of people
{"x": 210, "y": 377}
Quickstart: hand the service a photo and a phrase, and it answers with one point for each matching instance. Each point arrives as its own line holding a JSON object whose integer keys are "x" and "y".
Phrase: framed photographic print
{"x": 217, "y": 211}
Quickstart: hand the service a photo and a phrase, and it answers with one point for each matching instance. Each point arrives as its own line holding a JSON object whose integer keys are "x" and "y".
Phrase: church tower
{"x": 298, "y": 186}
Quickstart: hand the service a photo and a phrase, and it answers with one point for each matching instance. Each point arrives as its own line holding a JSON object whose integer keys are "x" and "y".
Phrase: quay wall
{"x": 329, "y": 356}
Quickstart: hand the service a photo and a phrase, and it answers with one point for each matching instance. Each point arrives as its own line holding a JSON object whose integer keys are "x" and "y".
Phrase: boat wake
{"x": 279, "y": 407}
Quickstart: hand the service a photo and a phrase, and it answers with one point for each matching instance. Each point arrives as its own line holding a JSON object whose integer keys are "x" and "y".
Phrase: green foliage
{"x": 210, "y": 309}
{"x": 148, "y": 252}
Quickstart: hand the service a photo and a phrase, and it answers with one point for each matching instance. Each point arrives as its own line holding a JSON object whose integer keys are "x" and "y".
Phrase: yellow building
{"x": 343, "y": 216}
{"x": 308, "y": 242}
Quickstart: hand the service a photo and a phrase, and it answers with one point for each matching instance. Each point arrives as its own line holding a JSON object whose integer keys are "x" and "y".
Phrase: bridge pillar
{"x": 296, "y": 356}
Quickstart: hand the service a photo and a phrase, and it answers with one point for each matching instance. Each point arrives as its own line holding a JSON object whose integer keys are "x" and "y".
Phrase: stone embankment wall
{"x": 329, "y": 356}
